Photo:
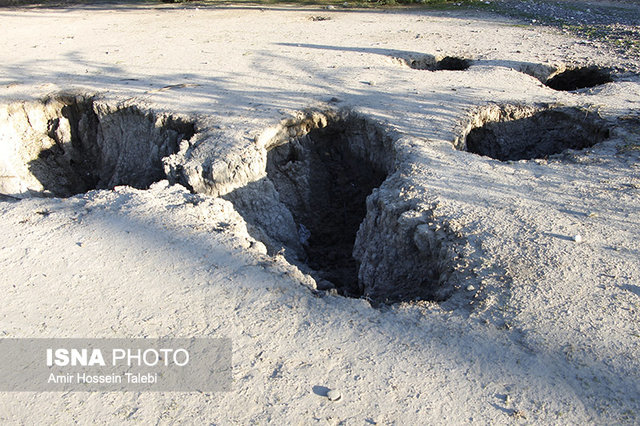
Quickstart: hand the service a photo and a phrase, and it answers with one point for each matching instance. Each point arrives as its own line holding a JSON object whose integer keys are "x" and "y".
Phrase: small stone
{"x": 259, "y": 247}
{"x": 324, "y": 285}
{"x": 470, "y": 288}
{"x": 334, "y": 395}
{"x": 518, "y": 415}
{"x": 577, "y": 238}
{"x": 303, "y": 234}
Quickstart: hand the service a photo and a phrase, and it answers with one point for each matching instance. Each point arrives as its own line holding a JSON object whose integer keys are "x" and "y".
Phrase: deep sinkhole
{"x": 511, "y": 133}
{"x": 579, "y": 78}
{"x": 67, "y": 145}
{"x": 324, "y": 182}
{"x": 321, "y": 178}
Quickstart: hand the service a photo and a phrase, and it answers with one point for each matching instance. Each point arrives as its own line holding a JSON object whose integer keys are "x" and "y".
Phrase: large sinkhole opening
{"x": 579, "y": 78}
{"x": 67, "y": 145}
{"x": 324, "y": 179}
{"x": 314, "y": 197}
{"x": 511, "y": 133}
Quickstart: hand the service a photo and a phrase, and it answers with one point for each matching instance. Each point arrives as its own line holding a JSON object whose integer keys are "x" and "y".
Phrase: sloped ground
{"x": 502, "y": 313}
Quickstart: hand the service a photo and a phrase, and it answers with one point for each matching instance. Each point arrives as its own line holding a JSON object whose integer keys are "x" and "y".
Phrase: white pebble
{"x": 334, "y": 395}
{"x": 577, "y": 238}
{"x": 259, "y": 247}
{"x": 470, "y": 287}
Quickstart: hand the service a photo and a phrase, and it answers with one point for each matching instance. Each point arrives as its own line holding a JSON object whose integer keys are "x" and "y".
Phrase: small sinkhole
{"x": 511, "y": 133}
{"x": 313, "y": 199}
{"x": 579, "y": 78}
{"x": 431, "y": 63}
{"x": 452, "y": 63}
{"x": 67, "y": 145}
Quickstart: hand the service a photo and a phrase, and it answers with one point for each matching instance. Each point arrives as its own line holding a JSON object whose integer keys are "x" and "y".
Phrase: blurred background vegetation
{"x": 440, "y": 4}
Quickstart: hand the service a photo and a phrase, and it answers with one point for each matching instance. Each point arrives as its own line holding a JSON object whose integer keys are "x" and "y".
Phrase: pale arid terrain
{"x": 414, "y": 207}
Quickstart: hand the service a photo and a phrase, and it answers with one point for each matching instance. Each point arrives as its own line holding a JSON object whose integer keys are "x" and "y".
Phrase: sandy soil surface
{"x": 531, "y": 263}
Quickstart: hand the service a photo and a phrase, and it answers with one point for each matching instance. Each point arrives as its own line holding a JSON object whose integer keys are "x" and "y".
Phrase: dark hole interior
{"x": 324, "y": 179}
{"x": 545, "y": 133}
{"x": 579, "y": 78}
{"x": 451, "y": 63}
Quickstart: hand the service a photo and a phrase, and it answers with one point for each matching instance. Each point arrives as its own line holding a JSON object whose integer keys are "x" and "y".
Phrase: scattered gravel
{"x": 614, "y": 23}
